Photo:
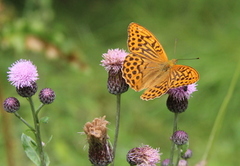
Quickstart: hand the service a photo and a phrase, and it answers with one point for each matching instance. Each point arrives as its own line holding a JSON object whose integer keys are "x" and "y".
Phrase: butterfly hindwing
{"x": 181, "y": 75}
{"x": 156, "y": 91}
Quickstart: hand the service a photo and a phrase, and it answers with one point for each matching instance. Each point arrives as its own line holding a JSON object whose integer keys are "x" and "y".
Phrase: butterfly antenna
{"x": 189, "y": 59}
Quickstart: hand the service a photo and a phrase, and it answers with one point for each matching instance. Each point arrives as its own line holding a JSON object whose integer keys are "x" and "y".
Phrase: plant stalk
{"x": 117, "y": 126}
{"x": 25, "y": 122}
{"x": 222, "y": 111}
{"x": 173, "y": 145}
{"x": 37, "y": 133}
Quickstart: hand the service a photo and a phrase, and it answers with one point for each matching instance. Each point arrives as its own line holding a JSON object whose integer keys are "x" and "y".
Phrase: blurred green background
{"x": 65, "y": 39}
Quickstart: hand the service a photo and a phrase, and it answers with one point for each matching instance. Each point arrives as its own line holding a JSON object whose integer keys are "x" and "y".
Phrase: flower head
{"x": 100, "y": 151}
{"x": 183, "y": 91}
{"x": 165, "y": 162}
{"x": 47, "y": 96}
{"x": 113, "y": 61}
{"x": 179, "y": 137}
{"x": 144, "y": 155}
{"x": 187, "y": 154}
{"x": 177, "y": 101}
{"x": 182, "y": 163}
{"x": 11, "y": 104}
{"x": 27, "y": 91}
{"x": 22, "y": 73}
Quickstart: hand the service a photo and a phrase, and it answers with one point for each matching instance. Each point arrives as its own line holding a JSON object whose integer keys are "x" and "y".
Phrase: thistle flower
{"x": 177, "y": 101}
{"x": 182, "y": 163}
{"x": 179, "y": 137}
{"x": 113, "y": 61}
{"x": 47, "y": 96}
{"x": 27, "y": 91}
{"x": 100, "y": 150}
{"x": 165, "y": 162}
{"x": 11, "y": 104}
{"x": 22, "y": 73}
{"x": 143, "y": 156}
{"x": 187, "y": 154}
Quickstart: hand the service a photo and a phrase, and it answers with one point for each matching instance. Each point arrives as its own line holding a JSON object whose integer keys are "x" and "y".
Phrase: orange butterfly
{"x": 147, "y": 66}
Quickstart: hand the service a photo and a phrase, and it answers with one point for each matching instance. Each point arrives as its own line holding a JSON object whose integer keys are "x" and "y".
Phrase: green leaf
{"x": 47, "y": 160}
{"x": 184, "y": 148}
{"x": 44, "y": 119}
{"x": 49, "y": 139}
{"x": 30, "y": 148}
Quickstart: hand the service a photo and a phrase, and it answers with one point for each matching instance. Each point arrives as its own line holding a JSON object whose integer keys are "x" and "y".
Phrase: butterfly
{"x": 147, "y": 66}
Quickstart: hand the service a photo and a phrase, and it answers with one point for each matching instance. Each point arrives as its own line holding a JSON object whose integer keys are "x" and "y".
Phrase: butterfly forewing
{"x": 131, "y": 71}
{"x": 143, "y": 43}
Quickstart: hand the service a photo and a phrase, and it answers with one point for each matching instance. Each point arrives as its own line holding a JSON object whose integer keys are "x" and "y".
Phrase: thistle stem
{"x": 220, "y": 116}
{"x": 24, "y": 121}
{"x": 39, "y": 108}
{"x": 179, "y": 155}
{"x": 117, "y": 126}
{"x": 173, "y": 145}
{"x": 37, "y": 133}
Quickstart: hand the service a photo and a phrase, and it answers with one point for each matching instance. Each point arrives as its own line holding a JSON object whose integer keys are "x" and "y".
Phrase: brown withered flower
{"x": 100, "y": 150}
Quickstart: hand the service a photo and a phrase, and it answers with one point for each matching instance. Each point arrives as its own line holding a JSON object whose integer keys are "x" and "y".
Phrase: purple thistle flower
{"x": 22, "y": 73}
{"x": 47, "y": 96}
{"x": 179, "y": 137}
{"x": 182, "y": 163}
{"x": 27, "y": 91}
{"x": 112, "y": 62}
{"x": 165, "y": 162}
{"x": 113, "y": 59}
{"x": 187, "y": 154}
{"x": 11, "y": 104}
{"x": 177, "y": 101}
{"x": 143, "y": 155}
{"x": 183, "y": 91}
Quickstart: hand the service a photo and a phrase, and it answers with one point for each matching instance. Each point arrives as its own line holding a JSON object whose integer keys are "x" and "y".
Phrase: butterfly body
{"x": 147, "y": 66}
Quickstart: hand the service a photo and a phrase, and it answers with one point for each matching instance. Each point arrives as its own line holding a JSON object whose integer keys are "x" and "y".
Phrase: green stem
{"x": 220, "y": 116}
{"x": 37, "y": 133}
{"x": 25, "y": 122}
{"x": 173, "y": 145}
{"x": 39, "y": 108}
{"x": 117, "y": 126}
{"x": 179, "y": 155}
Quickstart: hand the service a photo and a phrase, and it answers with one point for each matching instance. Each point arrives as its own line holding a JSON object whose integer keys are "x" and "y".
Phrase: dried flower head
{"x": 100, "y": 151}
{"x": 177, "y": 101}
{"x": 47, "y": 96}
{"x": 179, "y": 137}
{"x": 11, "y": 104}
{"x": 22, "y": 73}
{"x": 113, "y": 61}
{"x": 143, "y": 156}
